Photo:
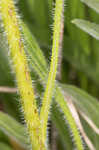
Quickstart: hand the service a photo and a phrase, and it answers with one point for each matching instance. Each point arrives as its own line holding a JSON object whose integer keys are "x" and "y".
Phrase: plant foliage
{"x": 60, "y": 98}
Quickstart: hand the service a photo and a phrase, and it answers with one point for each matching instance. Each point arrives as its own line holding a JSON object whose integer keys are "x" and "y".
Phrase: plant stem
{"x": 58, "y": 93}
{"x": 64, "y": 107}
{"x": 53, "y": 67}
{"x": 24, "y": 82}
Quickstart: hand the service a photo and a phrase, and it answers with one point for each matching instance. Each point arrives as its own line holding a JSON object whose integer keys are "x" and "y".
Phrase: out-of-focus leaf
{"x": 37, "y": 19}
{"x": 80, "y": 49}
{"x": 94, "y": 4}
{"x": 86, "y": 103}
{"x": 36, "y": 54}
{"x": 13, "y": 129}
{"x": 75, "y": 55}
{"x": 7, "y": 78}
{"x": 89, "y": 106}
{"x": 90, "y": 28}
{"x": 90, "y": 133}
{"x": 72, "y": 12}
{"x": 4, "y": 146}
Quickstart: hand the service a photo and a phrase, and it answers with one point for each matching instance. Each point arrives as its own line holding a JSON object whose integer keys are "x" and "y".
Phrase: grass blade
{"x": 4, "y": 146}
{"x": 86, "y": 103}
{"x": 94, "y": 4}
{"x": 90, "y": 28}
{"x": 13, "y": 129}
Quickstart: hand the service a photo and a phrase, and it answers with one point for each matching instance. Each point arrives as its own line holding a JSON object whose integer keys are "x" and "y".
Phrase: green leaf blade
{"x": 13, "y": 129}
{"x": 86, "y": 103}
{"x": 90, "y": 28}
{"x": 4, "y": 146}
{"x": 94, "y": 4}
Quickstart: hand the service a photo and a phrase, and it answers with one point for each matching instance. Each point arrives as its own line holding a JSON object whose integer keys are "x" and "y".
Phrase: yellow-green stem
{"x": 71, "y": 121}
{"x": 24, "y": 82}
{"x": 53, "y": 67}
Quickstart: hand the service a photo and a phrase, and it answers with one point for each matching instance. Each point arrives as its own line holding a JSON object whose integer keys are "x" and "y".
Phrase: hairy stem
{"x": 53, "y": 67}
{"x": 24, "y": 82}
{"x": 64, "y": 107}
{"x": 59, "y": 96}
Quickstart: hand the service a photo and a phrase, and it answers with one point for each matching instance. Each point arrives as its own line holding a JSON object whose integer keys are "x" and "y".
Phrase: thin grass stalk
{"x": 53, "y": 67}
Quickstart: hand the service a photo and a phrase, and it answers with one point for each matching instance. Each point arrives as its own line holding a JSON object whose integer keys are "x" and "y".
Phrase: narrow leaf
{"x": 90, "y": 28}
{"x": 13, "y": 129}
{"x": 94, "y": 4}
{"x": 4, "y": 146}
{"x": 84, "y": 102}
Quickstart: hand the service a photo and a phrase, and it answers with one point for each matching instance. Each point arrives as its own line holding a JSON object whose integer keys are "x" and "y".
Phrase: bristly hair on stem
{"x": 24, "y": 82}
{"x": 37, "y": 125}
{"x": 46, "y": 102}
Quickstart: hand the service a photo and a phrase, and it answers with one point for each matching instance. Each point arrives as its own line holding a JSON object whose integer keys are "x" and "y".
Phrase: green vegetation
{"x": 49, "y": 104}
